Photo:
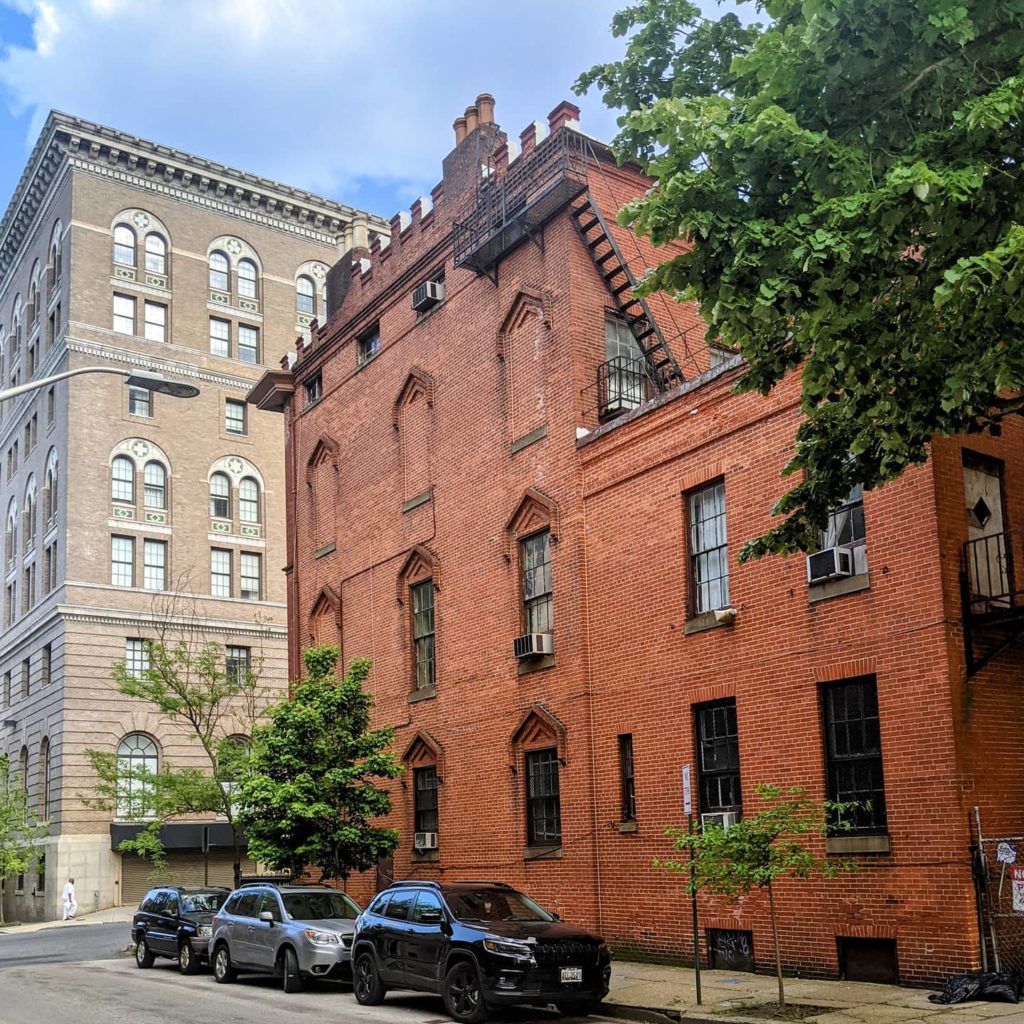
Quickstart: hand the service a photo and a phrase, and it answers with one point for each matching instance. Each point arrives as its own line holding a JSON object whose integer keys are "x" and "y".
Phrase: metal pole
{"x": 988, "y": 892}
{"x": 693, "y": 904}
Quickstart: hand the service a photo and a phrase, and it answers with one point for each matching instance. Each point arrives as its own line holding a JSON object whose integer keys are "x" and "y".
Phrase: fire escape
{"x": 516, "y": 206}
{"x": 992, "y": 598}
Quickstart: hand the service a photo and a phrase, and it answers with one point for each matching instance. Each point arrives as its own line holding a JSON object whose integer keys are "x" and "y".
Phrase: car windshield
{"x": 494, "y": 905}
{"x": 202, "y": 902}
{"x": 317, "y": 906}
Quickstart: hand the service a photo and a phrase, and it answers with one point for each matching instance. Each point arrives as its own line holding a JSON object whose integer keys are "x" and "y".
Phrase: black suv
{"x": 480, "y": 945}
{"x": 176, "y": 922}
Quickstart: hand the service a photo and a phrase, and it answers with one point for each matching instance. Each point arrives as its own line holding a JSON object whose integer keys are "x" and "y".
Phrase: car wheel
{"x": 366, "y": 983}
{"x": 223, "y": 969}
{"x": 290, "y": 970}
{"x": 143, "y": 956}
{"x": 188, "y": 962}
{"x": 463, "y": 996}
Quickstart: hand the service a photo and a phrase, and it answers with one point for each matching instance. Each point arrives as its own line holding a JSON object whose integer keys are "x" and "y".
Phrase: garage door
{"x": 184, "y": 867}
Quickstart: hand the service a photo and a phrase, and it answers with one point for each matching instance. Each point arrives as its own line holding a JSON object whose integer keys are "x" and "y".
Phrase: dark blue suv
{"x": 480, "y": 945}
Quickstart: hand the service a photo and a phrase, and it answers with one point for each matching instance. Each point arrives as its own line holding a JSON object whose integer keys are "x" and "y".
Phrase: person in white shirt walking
{"x": 68, "y": 899}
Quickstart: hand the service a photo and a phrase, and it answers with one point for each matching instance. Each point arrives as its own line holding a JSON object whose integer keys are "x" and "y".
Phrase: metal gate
{"x": 183, "y": 868}
{"x": 1000, "y": 878}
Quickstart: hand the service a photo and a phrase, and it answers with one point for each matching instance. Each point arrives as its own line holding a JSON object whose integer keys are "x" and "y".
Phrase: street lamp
{"x": 133, "y": 378}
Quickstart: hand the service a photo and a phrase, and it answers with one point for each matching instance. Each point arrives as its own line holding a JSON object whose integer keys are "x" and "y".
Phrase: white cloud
{"x": 345, "y": 97}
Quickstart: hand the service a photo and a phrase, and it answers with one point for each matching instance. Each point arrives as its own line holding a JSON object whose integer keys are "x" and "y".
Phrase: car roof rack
{"x": 405, "y": 882}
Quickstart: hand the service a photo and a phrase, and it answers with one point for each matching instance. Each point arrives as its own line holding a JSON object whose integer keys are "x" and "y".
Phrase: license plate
{"x": 570, "y": 974}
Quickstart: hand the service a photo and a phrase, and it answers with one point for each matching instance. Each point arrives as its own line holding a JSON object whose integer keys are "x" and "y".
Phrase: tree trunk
{"x": 778, "y": 954}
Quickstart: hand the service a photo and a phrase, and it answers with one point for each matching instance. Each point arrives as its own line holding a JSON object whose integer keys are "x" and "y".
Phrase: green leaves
{"x": 849, "y": 178}
{"x": 311, "y": 798}
{"x": 19, "y": 829}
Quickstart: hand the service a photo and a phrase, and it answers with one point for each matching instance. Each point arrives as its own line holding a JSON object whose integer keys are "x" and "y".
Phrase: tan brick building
{"x": 117, "y": 251}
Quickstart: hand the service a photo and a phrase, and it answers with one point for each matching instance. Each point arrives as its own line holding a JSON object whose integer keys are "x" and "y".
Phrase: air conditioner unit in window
{"x": 532, "y": 645}
{"x": 424, "y": 841}
{"x": 719, "y": 819}
{"x": 830, "y": 564}
{"x": 427, "y": 295}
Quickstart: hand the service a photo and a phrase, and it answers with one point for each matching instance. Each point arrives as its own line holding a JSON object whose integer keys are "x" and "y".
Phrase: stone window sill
{"x": 836, "y": 588}
{"x": 857, "y": 844}
{"x": 419, "y": 499}
{"x": 425, "y": 694}
{"x": 542, "y": 853}
{"x": 627, "y": 826}
{"x": 704, "y": 621}
{"x": 531, "y": 438}
{"x": 327, "y": 549}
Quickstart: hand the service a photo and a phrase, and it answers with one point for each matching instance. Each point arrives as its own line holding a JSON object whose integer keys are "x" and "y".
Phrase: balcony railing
{"x": 513, "y": 206}
{"x": 622, "y": 385}
{"x": 989, "y": 576}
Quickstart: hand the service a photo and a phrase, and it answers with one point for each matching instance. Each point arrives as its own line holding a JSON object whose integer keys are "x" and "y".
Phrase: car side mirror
{"x": 431, "y": 915}
{"x": 446, "y": 926}
{"x": 267, "y": 917}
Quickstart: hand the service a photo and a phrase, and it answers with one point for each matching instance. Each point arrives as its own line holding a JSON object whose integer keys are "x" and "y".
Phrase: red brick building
{"x": 521, "y": 493}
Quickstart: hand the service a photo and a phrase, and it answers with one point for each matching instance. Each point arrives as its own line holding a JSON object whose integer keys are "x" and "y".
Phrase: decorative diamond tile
{"x": 981, "y": 512}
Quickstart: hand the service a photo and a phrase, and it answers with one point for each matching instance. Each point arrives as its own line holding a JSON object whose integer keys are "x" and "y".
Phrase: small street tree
{"x": 309, "y": 797}
{"x": 19, "y": 830}
{"x": 215, "y": 700}
{"x": 848, "y": 177}
{"x": 758, "y": 850}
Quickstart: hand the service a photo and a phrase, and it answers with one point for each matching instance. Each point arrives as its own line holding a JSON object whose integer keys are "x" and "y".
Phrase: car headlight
{"x": 205, "y": 931}
{"x": 504, "y": 947}
{"x": 321, "y": 938}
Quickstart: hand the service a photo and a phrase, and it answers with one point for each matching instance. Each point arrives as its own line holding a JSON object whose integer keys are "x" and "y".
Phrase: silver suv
{"x": 292, "y": 932}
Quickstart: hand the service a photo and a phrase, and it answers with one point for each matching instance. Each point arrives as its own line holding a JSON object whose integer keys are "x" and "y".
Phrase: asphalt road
{"x": 62, "y": 944}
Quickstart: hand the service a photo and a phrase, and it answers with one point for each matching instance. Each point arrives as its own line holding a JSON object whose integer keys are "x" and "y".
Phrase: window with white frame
{"x": 220, "y": 271}
{"x": 136, "y": 657}
{"x": 124, "y": 314}
{"x": 246, "y": 279}
{"x": 124, "y": 245}
{"x": 156, "y": 254}
{"x": 154, "y": 557}
{"x": 155, "y": 485}
{"x": 845, "y": 527}
{"x": 137, "y": 763}
{"x": 122, "y": 479}
{"x": 237, "y": 664}
{"x": 709, "y": 552}
{"x": 155, "y": 328}
{"x": 234, "y": 417}
{"x": 305, "y": 296}
{"x": 220, "y": 336}
{"x": 140, "y": 402}
{"x": 248, "y": 343}
{"x": 250, "y": 576}
{"x": 220, "y": 496}
{"x": 220, "y": 572}
{"x": 248, "y": 500}
{"x": 122, "y": 561}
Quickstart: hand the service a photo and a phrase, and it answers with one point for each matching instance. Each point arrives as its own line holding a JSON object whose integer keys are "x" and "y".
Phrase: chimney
{"x": 471, "y": 120}
{"x": 485, "y": 108}
{"x": 563, "y": 114}
{"x": 528, "y": 137}
{"x": 459, "y": 124}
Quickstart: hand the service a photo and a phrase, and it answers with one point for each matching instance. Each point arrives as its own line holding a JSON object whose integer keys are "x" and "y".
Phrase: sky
{"x": 350, "y": 99}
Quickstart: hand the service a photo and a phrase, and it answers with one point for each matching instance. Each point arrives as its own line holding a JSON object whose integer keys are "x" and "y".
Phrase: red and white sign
{"x": 1017, "y": 884}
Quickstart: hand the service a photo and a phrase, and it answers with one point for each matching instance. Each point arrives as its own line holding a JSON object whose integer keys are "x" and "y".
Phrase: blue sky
{"x": 347, "y": 98}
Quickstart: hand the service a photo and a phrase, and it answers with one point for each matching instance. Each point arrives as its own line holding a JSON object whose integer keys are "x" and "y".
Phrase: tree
{"x": 849, "y": 181}
{"x": 217, "y": 701}
{"x": 19, "y": 830}
{"x": 310, "y": 797}
{"x": 758, "y": 850}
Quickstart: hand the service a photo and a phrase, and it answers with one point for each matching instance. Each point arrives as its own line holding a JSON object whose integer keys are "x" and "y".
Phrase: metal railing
{"x": 510, "y": 206}
{"x": 988, "y": 570}
{"x": 622, "y": 385}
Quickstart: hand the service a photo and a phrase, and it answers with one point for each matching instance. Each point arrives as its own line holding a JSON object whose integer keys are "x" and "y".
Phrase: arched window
{"x": 305, "y": 295}
{"x": 23, "y": 769}
{"x": 122, "y": 479}
{"x": 11, "y": 534}
{"x": 137, "y": 762}
{"x": 29, "y": 515}
{"x": 124, "y": 245}
{"x": 155, "y": 485}
{"x": 156, "y": 254}
{"x": 33, "y": 293}
{"x": 50, "y": 491}
{"x": 220, "y": 496}
{"x": 219, "y": 270}
{"x": 56, "y": 259}
{"x": 248, "y": 501}
{"x": 45, "y": 793}
{"x": 246, "y": 279}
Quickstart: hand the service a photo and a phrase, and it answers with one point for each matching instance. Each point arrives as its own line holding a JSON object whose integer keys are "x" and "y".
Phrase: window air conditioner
{"x": 425, "y": 841}
{"x": 829, "y": 564}
{"x": 719, "y": 819}
{"x": 531, "y": 645}
{"x": 427, "y": 295}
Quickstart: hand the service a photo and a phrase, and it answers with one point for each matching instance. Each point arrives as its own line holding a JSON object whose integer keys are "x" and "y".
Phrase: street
{"x": 77, "y": 975}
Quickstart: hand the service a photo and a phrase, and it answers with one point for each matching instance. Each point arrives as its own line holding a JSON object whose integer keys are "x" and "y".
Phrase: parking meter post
{"x": 693, "y": 904}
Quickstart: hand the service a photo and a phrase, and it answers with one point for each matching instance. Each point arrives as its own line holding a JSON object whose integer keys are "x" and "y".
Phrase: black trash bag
{"x": 958, "y": 989}
{"x": 994, "y": 988}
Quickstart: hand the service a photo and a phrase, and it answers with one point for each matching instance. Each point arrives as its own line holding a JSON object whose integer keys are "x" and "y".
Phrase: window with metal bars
{"x": 627, "y": 785}
{"x": 543, "y": 804}
{"x": 423, "y": 634}
{"x": 425, "y": 811}
{"x": 853, "y": 754}
{"x": 718, "y": 754}
{"x": 709, "y": 552}
{"x": 535, "y": 560}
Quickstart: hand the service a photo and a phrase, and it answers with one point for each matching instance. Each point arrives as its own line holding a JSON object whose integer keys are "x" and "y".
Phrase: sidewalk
{"x": 670, "y": 990}
{"x": 112, "y": 915}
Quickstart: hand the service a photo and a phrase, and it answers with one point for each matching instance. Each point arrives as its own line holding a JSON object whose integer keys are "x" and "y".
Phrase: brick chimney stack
{"x": 477, "y": 139}
{"x": 471, "y": 120}
{"x": 562, "y": 114}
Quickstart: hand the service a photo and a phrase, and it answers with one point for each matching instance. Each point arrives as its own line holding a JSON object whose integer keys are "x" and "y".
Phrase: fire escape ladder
{"x": 661, "y": 365}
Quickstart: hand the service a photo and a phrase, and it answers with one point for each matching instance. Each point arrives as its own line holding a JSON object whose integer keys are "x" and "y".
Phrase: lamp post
{"x": 133, "y": 378}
